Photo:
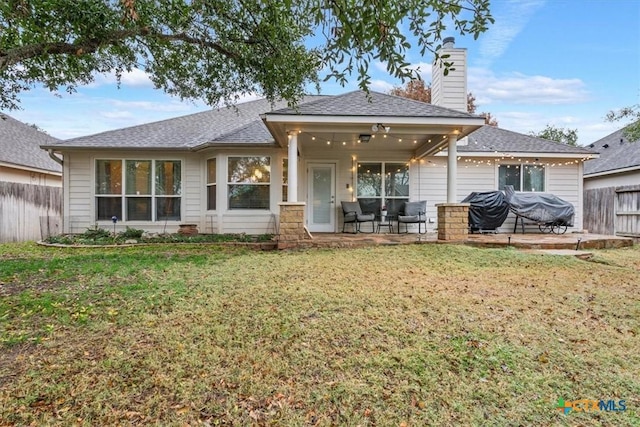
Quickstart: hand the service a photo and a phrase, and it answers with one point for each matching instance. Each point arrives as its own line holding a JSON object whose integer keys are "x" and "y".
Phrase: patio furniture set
{"x": 409, "y": 213}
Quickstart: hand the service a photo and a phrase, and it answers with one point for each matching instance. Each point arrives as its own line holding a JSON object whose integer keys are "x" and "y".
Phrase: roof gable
{"x": 378, "y": 104}
{"x": 20, "y": 145}
{"x": 616, "y": 152}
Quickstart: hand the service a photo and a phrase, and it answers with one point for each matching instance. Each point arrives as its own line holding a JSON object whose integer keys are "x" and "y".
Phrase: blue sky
{"x": 560, "y": 62}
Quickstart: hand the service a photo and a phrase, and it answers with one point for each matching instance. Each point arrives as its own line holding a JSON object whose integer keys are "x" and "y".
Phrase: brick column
{"x": 453, "y": 221}
{"x": 291, "y": 225}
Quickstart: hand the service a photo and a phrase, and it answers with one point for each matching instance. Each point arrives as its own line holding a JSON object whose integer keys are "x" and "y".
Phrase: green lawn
{"x": 388, "y": 336}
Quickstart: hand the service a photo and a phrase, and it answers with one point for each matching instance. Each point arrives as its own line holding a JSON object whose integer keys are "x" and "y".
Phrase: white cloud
{"x": 133, "y": 78}
{"x": 511, "y": 17}
{"x": 518, "y": 88}
{"x": 381, "y": 86}
{"x": 159, "y": 106}
{"x": 116, "y": 114}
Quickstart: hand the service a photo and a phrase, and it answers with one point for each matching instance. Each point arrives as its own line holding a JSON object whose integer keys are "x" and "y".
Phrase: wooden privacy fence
{"x": 29, "y": 212}
{"x": 613, "y": 210}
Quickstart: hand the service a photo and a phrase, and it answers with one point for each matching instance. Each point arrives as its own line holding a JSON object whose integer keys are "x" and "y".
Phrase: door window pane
{"x": 322, "y": 190}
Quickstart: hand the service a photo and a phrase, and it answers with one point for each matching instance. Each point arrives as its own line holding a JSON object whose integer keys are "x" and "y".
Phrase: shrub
{"x": 131, "y": 233}
{"x": 95, "y": 233}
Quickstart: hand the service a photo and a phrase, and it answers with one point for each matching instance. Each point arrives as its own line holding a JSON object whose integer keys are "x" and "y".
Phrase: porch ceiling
{"x": 417, "y": 135}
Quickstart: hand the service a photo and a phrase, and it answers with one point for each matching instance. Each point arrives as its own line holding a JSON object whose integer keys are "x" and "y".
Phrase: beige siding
{"x": 613, "y": 180}
{"x": 450, "y": 91}
{"x": 79, "y": 202}
{"x": 23, "y": 176}
{"x": 428, "y": 182}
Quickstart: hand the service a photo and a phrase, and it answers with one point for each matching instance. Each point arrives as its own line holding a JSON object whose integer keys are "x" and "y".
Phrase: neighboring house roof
{"x": 492, "y": 139}
{"x": 20, "y": 145}
{"x": 237, "y": 124}
{"x": 376, "y": 104}
{"x": 616, "y": 153}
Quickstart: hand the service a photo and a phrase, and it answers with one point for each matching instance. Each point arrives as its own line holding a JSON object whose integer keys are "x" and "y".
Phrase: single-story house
{"x": 612, "y": 186}
{"x": 21, "y": 159}
{"x": 246, "y": 168}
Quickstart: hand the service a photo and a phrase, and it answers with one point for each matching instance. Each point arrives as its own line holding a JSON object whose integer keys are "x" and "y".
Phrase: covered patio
{"x": 333, "y": 138}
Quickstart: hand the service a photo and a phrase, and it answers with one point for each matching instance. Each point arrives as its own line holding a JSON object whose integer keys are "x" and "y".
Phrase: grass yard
{"x": 387, "y": 336}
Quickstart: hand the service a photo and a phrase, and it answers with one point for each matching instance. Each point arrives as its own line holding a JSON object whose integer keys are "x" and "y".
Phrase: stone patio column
{"x": 453, "y": 221}
{"x": 292, "y": 195}
{"x": 291, "y": 228}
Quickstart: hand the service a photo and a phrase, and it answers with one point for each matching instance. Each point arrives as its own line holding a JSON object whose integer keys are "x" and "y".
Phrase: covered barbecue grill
{"x": 549, "y": 212}
{"x": 487, "y": 211}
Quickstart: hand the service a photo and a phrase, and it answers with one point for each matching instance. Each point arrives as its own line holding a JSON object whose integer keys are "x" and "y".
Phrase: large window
{"x": 522, "y": 177}
{"x": 152, "y": 190}
{"x": 382, "y": 184}
{"x": 249, "y": 180}
{"x": 211, "y": 184}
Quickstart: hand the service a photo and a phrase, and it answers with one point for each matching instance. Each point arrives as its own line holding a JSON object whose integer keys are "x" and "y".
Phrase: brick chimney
{"x": 450, "y": 91}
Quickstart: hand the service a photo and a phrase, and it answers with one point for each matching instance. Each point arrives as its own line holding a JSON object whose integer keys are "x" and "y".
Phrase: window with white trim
{"x": 211, "y": 184}
{"x": 249, "y": 182}
{"x": 523, "y": 177}
{"x": 382, "y": 184}
{"x": 152, "y": 190}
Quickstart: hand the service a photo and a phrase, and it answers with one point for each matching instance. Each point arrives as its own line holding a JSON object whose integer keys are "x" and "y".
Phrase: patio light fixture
{"x": 380, "y": 127}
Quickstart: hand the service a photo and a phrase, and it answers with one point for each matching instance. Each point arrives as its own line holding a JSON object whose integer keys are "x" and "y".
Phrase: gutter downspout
{"x": 54, "y": 157}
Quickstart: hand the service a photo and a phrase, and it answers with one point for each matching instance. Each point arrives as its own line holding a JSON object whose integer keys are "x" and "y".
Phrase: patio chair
{"x": 413, "y": 213}
{"x": 353, "y": 215}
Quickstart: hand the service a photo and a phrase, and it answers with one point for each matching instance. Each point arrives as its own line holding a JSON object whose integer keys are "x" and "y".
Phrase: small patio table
{"x": 385, "y": 221}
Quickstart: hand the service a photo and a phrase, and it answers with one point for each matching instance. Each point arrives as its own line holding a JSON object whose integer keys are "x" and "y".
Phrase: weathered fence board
{"x": 29, "y": 212}
{"x": 628, "y": 211}
{"x": 613, "y": 210}
{"x": 599, "y": 214}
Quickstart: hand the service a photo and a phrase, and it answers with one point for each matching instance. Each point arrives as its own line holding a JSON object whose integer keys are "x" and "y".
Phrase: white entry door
{"x": 321, "y": 202}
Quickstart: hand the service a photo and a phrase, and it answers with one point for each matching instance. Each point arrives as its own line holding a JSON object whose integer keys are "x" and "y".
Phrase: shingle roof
{"x": 189, "y": 131}
{"x": 377, "y": 104}
{"x": 616, "y": 152}
{"x": 491, "y": 138}
{"x": 20, "y": 145}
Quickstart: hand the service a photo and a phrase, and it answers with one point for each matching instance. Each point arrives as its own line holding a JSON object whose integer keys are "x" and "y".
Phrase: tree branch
{"x": 22, "y": 53}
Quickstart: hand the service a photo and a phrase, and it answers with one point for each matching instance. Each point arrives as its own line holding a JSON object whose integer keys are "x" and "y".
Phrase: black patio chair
{"x": 353, "y": 215}
{"x": 413, "y": 213}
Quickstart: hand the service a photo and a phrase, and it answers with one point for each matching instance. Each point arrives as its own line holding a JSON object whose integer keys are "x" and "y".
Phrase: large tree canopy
{"x": 218, "y": 50}
{"x": 562, "y": 135}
